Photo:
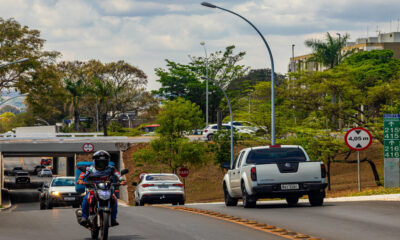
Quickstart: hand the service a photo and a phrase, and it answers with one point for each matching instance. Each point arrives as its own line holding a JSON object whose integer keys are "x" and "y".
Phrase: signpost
{"x": 358, "y": 139}
{"x": 391, "y": 150}
{"x": 88, "y": 147}
{"x": 184, "y": 172}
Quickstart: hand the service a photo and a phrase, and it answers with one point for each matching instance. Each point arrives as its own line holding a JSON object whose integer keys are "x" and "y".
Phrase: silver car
{"x": 45, "y": 173}
{"x": 159, "y": 188}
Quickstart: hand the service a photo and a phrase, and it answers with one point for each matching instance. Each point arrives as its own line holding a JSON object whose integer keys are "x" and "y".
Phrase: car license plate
{"x": 69, "y": 198}
{"x": 163, "y": 186}
{"x": 289, "y": 186}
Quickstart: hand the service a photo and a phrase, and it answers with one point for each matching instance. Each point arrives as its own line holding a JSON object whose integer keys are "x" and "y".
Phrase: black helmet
{"x": 101, "y": 159}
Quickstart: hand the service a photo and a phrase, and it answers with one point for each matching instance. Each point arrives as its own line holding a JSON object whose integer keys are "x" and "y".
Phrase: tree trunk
{"x": 334, "y": 117}
{"x": 76, "y": 118}
{"x": 328, "y": 173}
{"x": 105, "y": 123}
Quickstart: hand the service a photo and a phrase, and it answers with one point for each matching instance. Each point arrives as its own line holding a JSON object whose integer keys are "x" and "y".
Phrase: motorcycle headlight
{"x": 104, "y": 194}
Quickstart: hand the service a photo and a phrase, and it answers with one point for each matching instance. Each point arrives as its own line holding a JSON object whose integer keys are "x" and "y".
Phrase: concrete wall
{"x": 62, "y": 166}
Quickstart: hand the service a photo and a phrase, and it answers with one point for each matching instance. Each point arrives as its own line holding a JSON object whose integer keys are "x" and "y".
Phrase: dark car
{"x": 37, "y": 169}
{"x": 16, "y": 170}
{"x": 22, "y": 177}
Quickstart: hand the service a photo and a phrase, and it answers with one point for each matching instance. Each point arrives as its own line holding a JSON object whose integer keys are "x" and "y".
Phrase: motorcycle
{"x": 99, "y": 219}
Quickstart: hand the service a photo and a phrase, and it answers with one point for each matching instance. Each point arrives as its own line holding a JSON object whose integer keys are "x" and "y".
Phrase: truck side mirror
{"x": 226, "y": 165}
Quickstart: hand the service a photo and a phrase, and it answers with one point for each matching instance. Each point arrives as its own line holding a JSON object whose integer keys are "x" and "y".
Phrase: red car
{"x": 45, "y": 161}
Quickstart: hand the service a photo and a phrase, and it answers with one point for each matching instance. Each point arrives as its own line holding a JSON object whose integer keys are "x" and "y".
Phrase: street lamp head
{"x": 202, "y": 43}
{"x": 206, "y": 4}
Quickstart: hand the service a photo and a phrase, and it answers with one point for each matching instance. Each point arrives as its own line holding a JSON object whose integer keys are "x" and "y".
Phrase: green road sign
{"x": 391, "y": 149}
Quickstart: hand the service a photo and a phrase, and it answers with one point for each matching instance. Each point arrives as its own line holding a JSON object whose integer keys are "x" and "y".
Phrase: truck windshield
{"x": 275, "y": 155}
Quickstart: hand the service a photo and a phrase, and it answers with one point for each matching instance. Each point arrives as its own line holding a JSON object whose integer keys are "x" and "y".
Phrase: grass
{"x": 376, "y": 191}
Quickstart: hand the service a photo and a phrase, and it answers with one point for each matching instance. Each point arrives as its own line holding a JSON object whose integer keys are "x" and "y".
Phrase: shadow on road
{"x": 283, "y": 205}
{"x": 23, "y": 196}
{"x": 125, "y": 237}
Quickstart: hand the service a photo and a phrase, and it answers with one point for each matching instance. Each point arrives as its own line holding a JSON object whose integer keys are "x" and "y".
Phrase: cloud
{"x": 145, "y": 32}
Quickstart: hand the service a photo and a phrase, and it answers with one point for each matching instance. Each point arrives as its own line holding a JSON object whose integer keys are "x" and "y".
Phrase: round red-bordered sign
{"x": 88, "y": 147}
{"x": 358, "y": 138}
{"x": 183, "y": 172}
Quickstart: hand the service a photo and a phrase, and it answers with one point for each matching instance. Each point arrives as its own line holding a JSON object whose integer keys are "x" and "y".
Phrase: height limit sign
{"x": 358, "y": 139}
{"x": 391, "y": 150}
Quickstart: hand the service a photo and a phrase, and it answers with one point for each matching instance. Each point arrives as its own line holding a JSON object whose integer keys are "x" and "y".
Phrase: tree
{"x": 17, "y": 42}
{"x": 184, "y": 80}
{"x": 175, "y": 118}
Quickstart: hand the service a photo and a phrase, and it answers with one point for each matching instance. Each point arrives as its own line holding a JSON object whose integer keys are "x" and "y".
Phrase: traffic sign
{"x": 183, "y": 172}
{"x": 391, "y": 150}
{"x": 88, "y": 147}
{"x": 358, "y": 138}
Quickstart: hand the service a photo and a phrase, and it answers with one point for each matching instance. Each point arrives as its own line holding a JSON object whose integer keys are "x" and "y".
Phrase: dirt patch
{"x": 204, "y": 183}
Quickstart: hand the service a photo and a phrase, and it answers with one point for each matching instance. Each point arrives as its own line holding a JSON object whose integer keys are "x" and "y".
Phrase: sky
{"x": 146, "y": 32}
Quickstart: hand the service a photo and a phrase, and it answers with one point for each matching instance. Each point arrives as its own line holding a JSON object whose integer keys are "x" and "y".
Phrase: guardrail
{"x": 57, "y": 135}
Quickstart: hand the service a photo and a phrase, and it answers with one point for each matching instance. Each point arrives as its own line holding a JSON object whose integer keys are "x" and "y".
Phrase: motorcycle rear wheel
{"x": 104, "y": 225}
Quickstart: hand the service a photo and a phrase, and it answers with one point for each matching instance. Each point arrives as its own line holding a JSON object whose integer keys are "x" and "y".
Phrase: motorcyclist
{"x": 100, "y": 171}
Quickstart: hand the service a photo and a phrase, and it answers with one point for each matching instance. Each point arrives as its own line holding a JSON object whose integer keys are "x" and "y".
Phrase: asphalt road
{"x": 344, "y": 220}
{"x": 26, "y": 221}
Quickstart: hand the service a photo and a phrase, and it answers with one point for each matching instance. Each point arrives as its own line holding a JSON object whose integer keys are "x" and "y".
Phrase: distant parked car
{"x": 251, "y": 127}
{"x": 61, "y": 192}
{"x": 16, "y": 170}
{"x": 45, "y": 161}
{"x": 22, "y": 177}
{"x": 209, "y": 132}
{"x": 45, "y": 173}
{"x": 150, "y": 128}
{"x": 159, "y": 188}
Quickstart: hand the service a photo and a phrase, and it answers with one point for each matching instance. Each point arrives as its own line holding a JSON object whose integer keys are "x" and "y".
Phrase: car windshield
{"x": 22, "y": 174}
{"x": 58, "y": 182}
{"x": 275, "y": 155}
{"x": 46, "y": 170}
{"x": 161, "y": 177}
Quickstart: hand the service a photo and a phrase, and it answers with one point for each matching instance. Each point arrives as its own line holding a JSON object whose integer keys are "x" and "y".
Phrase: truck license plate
{"x": 69, "y": 198}
{"x": 289, "y": 186}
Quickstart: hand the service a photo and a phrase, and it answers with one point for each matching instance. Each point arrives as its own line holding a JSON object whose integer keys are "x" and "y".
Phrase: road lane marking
{"x": 281, "y": 232}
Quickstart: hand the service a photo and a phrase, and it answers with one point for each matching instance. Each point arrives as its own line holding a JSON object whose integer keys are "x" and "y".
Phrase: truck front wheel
{"x": 248, "y": 201}
{"x": 229, "y": 201}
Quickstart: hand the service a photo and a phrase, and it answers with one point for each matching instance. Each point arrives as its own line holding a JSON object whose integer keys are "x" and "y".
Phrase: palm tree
{"x": 328, "y": 52}
{"x": 104, "y": 91}
{"x": 76, "y": 90}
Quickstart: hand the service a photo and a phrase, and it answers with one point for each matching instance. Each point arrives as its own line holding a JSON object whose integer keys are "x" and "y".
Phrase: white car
{"x": 208, "y": 133}
{"x": 159, "y": 188}
{"x": 61, "y": 192}
{"x": 45, "y": 173}
{"x": 248, "y": 126}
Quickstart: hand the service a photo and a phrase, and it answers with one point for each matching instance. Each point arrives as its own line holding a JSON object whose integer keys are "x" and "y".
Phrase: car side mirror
{"x": 124, "y": 171}
{"x": 134, "y": 184}
{"x": 226, "y": 165}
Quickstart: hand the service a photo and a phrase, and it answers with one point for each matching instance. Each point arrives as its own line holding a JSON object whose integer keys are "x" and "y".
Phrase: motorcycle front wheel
{"x": 94, "y": 232}
{"x": 104, "y": 225}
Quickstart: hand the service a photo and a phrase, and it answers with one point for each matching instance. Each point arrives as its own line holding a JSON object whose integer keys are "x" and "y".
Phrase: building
{"x": 389, "y": 41}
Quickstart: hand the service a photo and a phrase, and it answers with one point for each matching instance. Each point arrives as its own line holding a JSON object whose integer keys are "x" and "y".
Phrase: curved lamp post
{"x": 206, "y": 4}
{"x": 16, "y": 61}
{"x": 22, "y": 95}
{"x": 230, "y": 112}
{"x": 205, "y": 51}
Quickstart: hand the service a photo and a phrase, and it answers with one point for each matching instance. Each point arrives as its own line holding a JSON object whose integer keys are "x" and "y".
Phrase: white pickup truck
{"x": 280, "y": 171}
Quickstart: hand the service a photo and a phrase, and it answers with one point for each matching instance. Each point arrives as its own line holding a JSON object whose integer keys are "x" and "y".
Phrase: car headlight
{"x": 55, "y": 193}
{"x": 104, "y": 194}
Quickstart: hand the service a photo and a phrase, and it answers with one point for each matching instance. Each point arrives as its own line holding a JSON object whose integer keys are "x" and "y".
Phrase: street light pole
{"x": 293, "y": 62}
{"x": 205, "y": 51}
{"x": 206, "y": 4}
{"x": 231, "y": 116}
{"x": 16, "y": 61}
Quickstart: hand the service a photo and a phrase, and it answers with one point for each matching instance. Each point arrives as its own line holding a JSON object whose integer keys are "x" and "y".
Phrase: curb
{"x": 386, "y": 197}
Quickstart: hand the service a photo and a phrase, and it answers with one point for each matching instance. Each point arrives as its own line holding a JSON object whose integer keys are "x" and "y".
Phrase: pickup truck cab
{"x": 279, "y": 171}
